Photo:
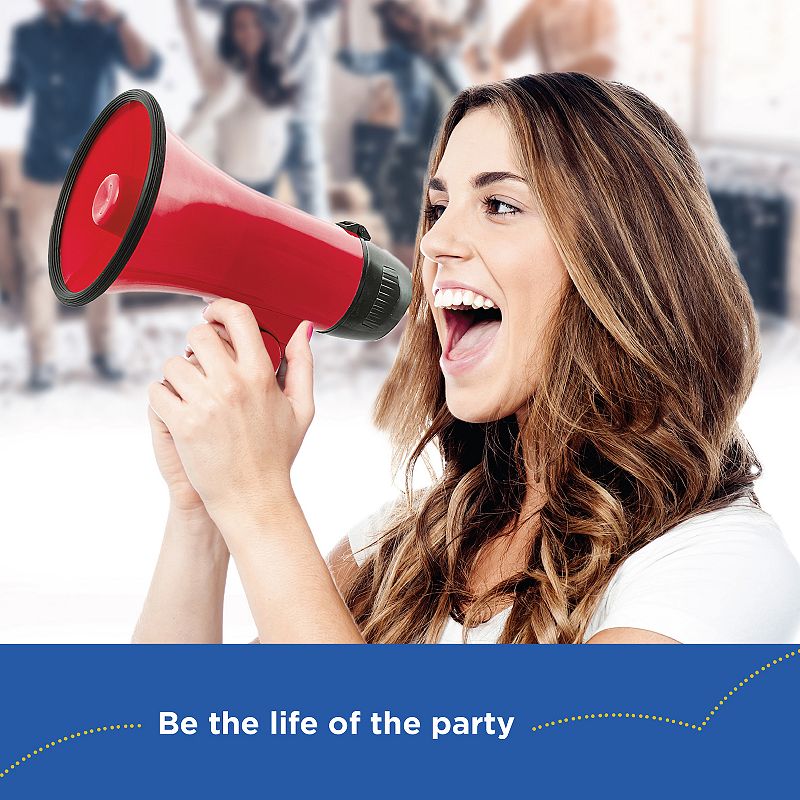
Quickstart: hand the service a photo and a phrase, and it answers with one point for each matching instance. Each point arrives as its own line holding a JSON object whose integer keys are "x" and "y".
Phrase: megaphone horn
{"x": 139, "y": 211}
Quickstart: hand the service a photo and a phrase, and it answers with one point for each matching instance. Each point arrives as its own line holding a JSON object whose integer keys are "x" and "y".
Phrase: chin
{"x": 473, "y": 410}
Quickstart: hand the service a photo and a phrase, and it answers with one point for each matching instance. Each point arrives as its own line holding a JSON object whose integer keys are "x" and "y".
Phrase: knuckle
{"x": 210, "y": 405}
{"x": 241, "y": 313}
{"x": 196, "y": 333}
{"x": 169, "y": 365}
{"x": 230, "y": 390}
{"x": 191, "y": 424}
{"x": 226, "y": 305}
{"x": 262, "y": 372}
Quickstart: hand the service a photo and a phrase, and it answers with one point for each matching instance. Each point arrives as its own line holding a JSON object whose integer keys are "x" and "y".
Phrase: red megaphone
{"x": 139, "y": 211}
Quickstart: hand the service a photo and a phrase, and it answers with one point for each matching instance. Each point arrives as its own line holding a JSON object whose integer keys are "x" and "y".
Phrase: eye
{"x": 432, "y": 212}
{"x": 494, "y": 202}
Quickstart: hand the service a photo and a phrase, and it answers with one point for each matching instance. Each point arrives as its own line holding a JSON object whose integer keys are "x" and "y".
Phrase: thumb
{"x": 299, "y": 376}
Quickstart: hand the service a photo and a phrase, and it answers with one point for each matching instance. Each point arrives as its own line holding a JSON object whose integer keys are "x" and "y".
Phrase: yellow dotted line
{"x": 63, "y": 740}
{"x": 698, "y": 726}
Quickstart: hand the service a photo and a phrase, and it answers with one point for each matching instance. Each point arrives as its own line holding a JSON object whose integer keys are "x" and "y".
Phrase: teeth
{"x": 449, "y": 298}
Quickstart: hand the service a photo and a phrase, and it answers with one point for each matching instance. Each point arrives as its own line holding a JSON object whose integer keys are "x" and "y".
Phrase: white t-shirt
{"x": 234, "y": 129}
{"x": 723, "y": 577}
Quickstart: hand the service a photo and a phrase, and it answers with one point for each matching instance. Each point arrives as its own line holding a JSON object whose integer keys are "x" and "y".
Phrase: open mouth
{"x": 472, "y": 322}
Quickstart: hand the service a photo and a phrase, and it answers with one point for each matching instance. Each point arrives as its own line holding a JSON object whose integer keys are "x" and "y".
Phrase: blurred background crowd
{"x": 331, "y": 106}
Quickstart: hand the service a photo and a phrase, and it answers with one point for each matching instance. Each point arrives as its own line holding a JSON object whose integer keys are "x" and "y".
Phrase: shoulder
{"x": 26, "y": 31}
{"x": 741, "y": 534}
{"x": 726, "y": 576}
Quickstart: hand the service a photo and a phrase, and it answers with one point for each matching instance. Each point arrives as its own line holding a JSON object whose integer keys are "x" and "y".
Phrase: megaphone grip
{"x": 382, "y": 298}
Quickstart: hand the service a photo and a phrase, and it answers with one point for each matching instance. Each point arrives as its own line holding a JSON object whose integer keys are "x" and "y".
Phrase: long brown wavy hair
{"x": 632, "y": 427}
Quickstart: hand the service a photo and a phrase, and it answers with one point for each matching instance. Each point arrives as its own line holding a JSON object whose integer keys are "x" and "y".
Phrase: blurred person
{"x": 566, "y": 35}
{"x": 452, "y": 28}
{"x": 580, "y": 366}
{"x": 246, "y": 106}
{"x": 405, "y": 58}
{"x": 305, "y": 162}
{"x": 65, "y": 59}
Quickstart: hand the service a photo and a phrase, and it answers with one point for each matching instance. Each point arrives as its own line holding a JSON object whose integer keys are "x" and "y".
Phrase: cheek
{"x": 533, "y": 291}
{"x": 428, "y": 277}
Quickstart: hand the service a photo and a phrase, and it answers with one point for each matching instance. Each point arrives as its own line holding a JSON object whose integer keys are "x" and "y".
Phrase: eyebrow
{"x": 478, "y": 181}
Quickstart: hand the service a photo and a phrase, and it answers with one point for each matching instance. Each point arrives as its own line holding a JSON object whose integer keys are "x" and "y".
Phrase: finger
{"x": 223, "y": 334}
{"x": 170, "y": 387}
{"x": 192, "y": 359}
{"x": 209, "y": 350}
{"x": 163, "y": 402}
{"x": 299, "y": 378}
{"x": 153, "y": 418}
{"x": 242, "y": 328}
{"x": 186, "y": 380}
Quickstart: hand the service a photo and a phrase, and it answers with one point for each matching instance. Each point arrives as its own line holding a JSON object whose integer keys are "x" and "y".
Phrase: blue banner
{"x": 399, "y": 721}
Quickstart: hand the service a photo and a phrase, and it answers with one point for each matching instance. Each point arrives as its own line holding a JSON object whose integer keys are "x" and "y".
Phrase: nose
{"x": 448, "y": 238}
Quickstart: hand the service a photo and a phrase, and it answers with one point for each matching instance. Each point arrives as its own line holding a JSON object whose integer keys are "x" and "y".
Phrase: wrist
{"x": 192, "y": 547}
{"x": 248, "y": 518}
{"x": 194, "y": 524}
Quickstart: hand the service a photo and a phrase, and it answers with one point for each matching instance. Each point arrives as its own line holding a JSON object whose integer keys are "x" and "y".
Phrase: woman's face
{"x": 247, "y": 32}
{"x": 489, "y": 240}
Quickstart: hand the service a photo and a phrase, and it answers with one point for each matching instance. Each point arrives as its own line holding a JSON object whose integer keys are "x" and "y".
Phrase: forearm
{"x": 209, "y": 71}
{"x": 186, "y": 596}
{"x": 290, "y": 590}
{"x": 137, "y": 52}
{"x": 517, "y": 34}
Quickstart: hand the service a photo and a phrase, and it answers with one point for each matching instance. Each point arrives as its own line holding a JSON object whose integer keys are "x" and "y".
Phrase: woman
{"x": 595, "y": 485}
{"x": 242, "y": 122}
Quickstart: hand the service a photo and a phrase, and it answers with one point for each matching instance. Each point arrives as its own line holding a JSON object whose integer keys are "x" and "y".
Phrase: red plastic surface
{"x": 122, "y": 148}
{"x": 208, "y": 235}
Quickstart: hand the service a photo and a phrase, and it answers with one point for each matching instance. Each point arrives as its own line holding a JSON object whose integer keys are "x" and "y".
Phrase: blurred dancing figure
{"x": 267, "y": 92}
{"x": 567, "y": 36}
{"x": 65, "y": 59}
{"x": 242, "y": 121}
{"x": 307, "y": 54}
{"x": 408, "y": 59}
{"x": 451, "y": 27}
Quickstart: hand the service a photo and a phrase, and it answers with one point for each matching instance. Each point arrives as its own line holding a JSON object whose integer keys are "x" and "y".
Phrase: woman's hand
{"x": 182, "y": 494}
{"x": 235, "y": 431}
{"x": 183, "y": 497}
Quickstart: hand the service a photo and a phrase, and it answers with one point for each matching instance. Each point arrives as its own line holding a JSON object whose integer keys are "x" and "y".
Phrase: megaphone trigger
{"x": 274, "y": 349}
{"x": 280, "y": 375}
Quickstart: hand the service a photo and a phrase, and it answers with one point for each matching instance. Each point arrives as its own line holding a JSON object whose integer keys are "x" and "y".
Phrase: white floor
{"x": 83, "y": 506}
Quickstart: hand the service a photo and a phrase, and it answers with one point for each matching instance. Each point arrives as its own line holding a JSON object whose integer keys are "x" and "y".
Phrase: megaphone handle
{"x": 274, "y": 348}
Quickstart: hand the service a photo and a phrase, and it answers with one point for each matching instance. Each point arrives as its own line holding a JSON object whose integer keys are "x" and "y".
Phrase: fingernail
{"x": 309, "y": 330}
